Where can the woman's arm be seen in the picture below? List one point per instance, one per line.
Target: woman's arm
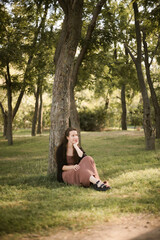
(78, 150)
(70, 167)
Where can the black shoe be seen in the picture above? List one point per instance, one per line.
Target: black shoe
(102, 187)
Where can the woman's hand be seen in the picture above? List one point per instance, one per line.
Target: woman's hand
(78, 150)
(76, 167)
(76, 143)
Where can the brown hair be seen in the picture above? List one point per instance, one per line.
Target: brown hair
(65, 141)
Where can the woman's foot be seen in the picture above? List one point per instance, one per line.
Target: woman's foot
(106, 183)
(100, 186)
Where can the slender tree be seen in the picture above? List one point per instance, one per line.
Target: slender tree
(150, 82)
(149, 133)
(40, 112)
(36, 109)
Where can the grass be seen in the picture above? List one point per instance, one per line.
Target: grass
(30, 202)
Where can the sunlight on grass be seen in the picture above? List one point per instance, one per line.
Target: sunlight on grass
(31, 202)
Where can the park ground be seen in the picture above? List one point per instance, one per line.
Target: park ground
(35, 208)
(132, 227)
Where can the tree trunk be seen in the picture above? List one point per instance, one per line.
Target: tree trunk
(150, 83)
(34, 120)
(5, 117)
(74, 117)
(124, 111)
(5, 124)
(148, 131)
(60, 109)
(9, 96)
(40, 114)
(149, 134)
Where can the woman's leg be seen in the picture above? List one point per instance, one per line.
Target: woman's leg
(88, 174)
(98, 184)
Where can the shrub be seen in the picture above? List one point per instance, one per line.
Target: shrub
(93, 120)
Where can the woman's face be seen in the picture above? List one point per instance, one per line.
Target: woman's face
(73, 137)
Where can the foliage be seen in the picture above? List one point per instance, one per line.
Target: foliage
(32, 203)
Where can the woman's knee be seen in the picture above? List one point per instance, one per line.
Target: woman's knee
(88, 158)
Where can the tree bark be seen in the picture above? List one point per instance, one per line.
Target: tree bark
(35, 115)
(124, 111)
(40, 114)
(150, 83)
(60, 109)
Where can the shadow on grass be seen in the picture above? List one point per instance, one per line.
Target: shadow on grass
(33, 181)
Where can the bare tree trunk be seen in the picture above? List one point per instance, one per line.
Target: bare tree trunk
(40, 114)
(153, 93)
(35, 115)
(64, 58)
(124, 111)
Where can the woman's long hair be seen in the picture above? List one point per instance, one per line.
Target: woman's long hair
(64, 143)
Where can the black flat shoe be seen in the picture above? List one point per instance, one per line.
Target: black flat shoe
(102, 187)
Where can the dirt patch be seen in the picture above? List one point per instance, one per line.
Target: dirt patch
(132, 227)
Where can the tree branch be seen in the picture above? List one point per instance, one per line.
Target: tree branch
(130, 53)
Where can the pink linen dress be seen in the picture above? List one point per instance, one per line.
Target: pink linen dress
(82, 175)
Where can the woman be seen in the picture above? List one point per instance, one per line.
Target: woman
(74, 166)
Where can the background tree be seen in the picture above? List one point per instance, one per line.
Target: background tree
(17, 52)
(149, 134)
(43, 67)
(151, 43)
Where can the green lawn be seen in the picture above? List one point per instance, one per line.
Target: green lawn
(30, 202)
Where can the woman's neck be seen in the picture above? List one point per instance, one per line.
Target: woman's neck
(69, 145)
